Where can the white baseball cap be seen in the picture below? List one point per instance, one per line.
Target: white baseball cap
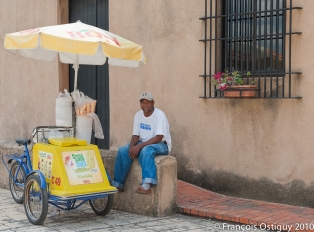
(147, 95)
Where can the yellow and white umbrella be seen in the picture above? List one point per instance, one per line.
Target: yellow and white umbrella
(76, 43)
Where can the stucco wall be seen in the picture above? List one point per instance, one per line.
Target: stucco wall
(28, 87)
(257, 148)
(247, 147)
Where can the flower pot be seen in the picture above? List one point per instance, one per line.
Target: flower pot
(240, 91)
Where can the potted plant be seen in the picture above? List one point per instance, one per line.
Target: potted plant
(232, 84)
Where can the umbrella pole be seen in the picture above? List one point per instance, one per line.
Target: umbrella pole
(76, 67)
(75, 79)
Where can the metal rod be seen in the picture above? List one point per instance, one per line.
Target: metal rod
(271, 47)
(277, 49)
(282, 9)
(265, 46)
(290, 29)
(229, 35)
(259, 42)
(260, 36)
(284, 23)
(210, 46)
(257, 75)
(254, 30)
(205, 49)
(226, 43)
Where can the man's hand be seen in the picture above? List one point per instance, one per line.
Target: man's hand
(134, 151)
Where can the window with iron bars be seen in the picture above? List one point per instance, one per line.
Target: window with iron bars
(250, 35)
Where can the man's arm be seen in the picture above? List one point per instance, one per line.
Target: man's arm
(135, 149)
(134, 140)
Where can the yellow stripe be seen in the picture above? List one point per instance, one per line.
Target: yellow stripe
(21, 42)
(123, 52)
(54, 43)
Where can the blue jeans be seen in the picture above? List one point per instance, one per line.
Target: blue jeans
(146, 160)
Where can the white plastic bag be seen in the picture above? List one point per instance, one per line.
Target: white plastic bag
(85, 106)
(64, 109)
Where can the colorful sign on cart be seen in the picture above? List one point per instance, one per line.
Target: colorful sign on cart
(45, 163)
(81, 167)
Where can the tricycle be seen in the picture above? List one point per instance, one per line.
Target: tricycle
(65, 172)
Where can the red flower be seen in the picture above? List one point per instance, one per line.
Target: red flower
(217, 76)
(223, 86)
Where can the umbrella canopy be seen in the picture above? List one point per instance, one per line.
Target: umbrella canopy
(76, 43)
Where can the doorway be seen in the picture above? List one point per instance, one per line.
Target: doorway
(93, 80)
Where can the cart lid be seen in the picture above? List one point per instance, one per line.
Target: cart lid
(67, 142)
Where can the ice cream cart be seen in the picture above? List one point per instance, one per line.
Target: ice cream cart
(67, 172)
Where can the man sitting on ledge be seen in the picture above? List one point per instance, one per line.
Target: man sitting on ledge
(150, 137)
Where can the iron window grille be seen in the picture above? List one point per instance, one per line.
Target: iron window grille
(250, 35)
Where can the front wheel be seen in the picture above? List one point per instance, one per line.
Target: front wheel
(36, 200)
(17, 178)
(102, 206)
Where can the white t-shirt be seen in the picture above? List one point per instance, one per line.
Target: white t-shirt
(149, 127)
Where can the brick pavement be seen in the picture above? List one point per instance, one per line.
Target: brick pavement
(192, 200)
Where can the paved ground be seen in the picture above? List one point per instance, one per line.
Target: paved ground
(193, 200)
(201, 210)
(13, 218)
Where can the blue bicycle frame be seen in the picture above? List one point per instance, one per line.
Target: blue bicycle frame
(24, 162)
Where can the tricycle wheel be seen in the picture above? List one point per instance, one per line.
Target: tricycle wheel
(36, 200)
(102, 206)
(17, 186)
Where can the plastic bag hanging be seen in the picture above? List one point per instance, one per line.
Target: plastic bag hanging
(85, 109)
(97, 128)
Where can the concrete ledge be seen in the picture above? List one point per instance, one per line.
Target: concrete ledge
(161, 202)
